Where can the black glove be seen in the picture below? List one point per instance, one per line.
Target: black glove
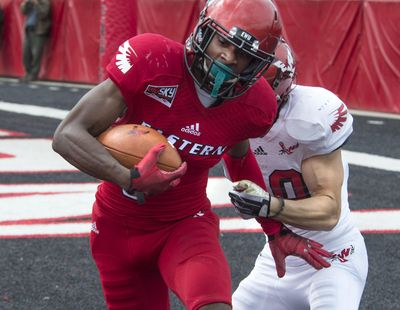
(250, 200)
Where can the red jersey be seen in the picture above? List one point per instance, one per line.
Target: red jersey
(159, 92)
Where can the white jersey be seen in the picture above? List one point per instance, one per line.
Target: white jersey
(312, 122)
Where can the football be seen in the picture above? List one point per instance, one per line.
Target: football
(129, 144)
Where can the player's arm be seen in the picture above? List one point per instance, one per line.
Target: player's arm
(75, 139)
(323, 176)
(240, 149)
(241, 164)
(282, 241)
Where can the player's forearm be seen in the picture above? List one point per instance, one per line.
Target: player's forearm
(85, 153)
(246, 168)
(315, 213)
(243, 166)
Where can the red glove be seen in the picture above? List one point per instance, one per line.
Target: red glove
(148, 179)
(285, 243)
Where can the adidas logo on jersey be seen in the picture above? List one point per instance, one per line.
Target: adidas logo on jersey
(192, 129)
(260, 151)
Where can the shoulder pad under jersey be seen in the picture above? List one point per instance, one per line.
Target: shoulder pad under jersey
(142, 58)
(317, 118)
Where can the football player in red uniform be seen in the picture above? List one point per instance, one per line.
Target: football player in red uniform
(150, 233)
(301, 163)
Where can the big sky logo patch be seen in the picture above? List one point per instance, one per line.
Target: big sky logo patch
(163, 94)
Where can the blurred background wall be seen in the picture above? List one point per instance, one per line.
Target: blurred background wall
(351, 47)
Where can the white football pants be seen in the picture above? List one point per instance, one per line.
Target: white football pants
(303, 287)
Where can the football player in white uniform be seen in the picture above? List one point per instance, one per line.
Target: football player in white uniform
(306, 177)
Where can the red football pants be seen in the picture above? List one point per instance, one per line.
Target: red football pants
(138, 266)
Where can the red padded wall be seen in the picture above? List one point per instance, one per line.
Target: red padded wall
(351, 47)
(118, 23)
(174, 19)
(11, 48)
(379, 60)
(72, 52)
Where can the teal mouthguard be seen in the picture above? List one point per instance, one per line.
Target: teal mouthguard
(221, 73)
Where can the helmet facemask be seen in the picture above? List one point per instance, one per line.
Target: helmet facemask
(213, 76)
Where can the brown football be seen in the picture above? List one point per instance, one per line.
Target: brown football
(129, 144)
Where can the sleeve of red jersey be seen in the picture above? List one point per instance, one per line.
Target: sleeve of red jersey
(261, 108)
(243, 168)
(247, 168)
(127, 67)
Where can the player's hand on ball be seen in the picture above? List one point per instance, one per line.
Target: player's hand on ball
(250, 200)
(285, 243)
(147, 179)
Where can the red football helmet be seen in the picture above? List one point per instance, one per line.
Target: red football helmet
(282, 72)
(252, 26)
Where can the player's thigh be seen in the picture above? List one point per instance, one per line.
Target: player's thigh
(262, 289)
(128, 281)
(141, 289)
(193, 263)
(256, 291)
(341, 286)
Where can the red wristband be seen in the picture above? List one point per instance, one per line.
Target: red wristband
(244, 168)
(269, 226)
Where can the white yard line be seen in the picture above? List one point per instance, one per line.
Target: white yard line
(35, 202)
(24, 203)
(375, 114)
(44, 230)
(33, 110)
(60, 114)
(372, 161)
(41, 158)
(368, 222)
(50, 83)
(31, 156)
